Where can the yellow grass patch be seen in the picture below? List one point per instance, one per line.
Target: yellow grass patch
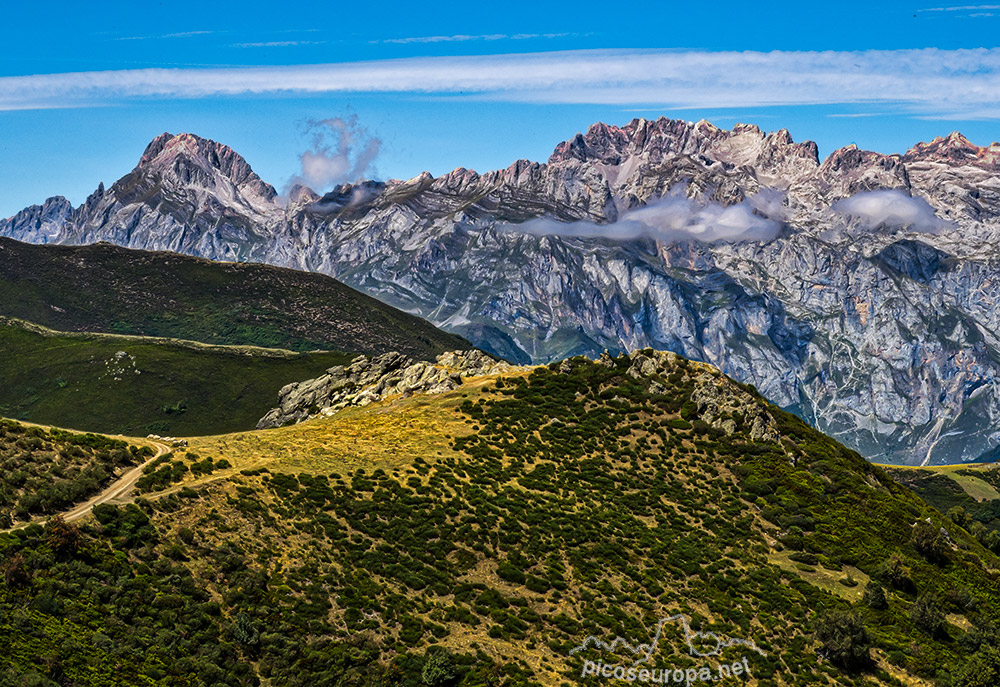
(389, 435)
(818, 576)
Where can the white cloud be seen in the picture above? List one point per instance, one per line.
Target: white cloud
(458, 38)
(277, 44)
(927, 82)
(856, 115)
(181, 34)
(962, 8)
(674, 218)
(891, 208)
(462, 38)
(342, 151)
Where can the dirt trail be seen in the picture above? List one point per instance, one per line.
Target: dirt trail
(118, 489)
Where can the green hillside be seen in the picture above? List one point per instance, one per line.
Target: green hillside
(969, 494)
(103, 288)
(45, 471)
(479, 537)
(137, 385)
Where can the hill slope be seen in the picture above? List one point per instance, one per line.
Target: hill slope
(44, 471)
(478, 537)
(103, 288)
(137, 385)
(970, 495)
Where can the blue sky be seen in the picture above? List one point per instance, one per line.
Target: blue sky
(83, 88)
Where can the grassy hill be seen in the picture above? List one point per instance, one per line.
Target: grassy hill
(103, 288)
(139, 385)
(479, 537)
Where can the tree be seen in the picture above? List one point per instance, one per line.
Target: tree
(63, 537)
(874, 596)
(245, 633)
(15, 571)
(958, 516)
(929, 542)
(927, 615)
(844, 640)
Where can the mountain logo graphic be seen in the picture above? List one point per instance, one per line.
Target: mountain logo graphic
(712, 644)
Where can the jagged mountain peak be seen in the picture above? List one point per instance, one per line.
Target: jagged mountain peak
(954, 149)
(661, 139)
(191, 159)
(155, 147)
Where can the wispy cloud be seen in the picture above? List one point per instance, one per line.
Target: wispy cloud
(277, 44)
(926, 83)
(462, 38)
(181, 34)
(188, 34)
(857, 115)
(962, 8)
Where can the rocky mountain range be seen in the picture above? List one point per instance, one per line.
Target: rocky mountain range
(858, 291)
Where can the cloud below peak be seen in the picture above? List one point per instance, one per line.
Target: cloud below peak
(893, 209)
(676, 218)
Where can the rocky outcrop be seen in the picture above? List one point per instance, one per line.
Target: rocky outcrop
(367, 380)
(720, 402)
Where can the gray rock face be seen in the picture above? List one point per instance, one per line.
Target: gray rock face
(884, 337)
(367, 380)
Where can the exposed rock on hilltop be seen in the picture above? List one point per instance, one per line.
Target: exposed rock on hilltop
(367, 380)
(717, 400)
(879, 327)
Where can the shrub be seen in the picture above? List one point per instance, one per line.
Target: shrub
(982, 670)
(874, 596)
(844, 640)
(511, 573)
(439, 670)
(896, 574)
(927, 615)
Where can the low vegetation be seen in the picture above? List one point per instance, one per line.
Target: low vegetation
(43, 472)
(483, 534)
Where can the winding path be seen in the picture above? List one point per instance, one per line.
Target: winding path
(118, 489)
